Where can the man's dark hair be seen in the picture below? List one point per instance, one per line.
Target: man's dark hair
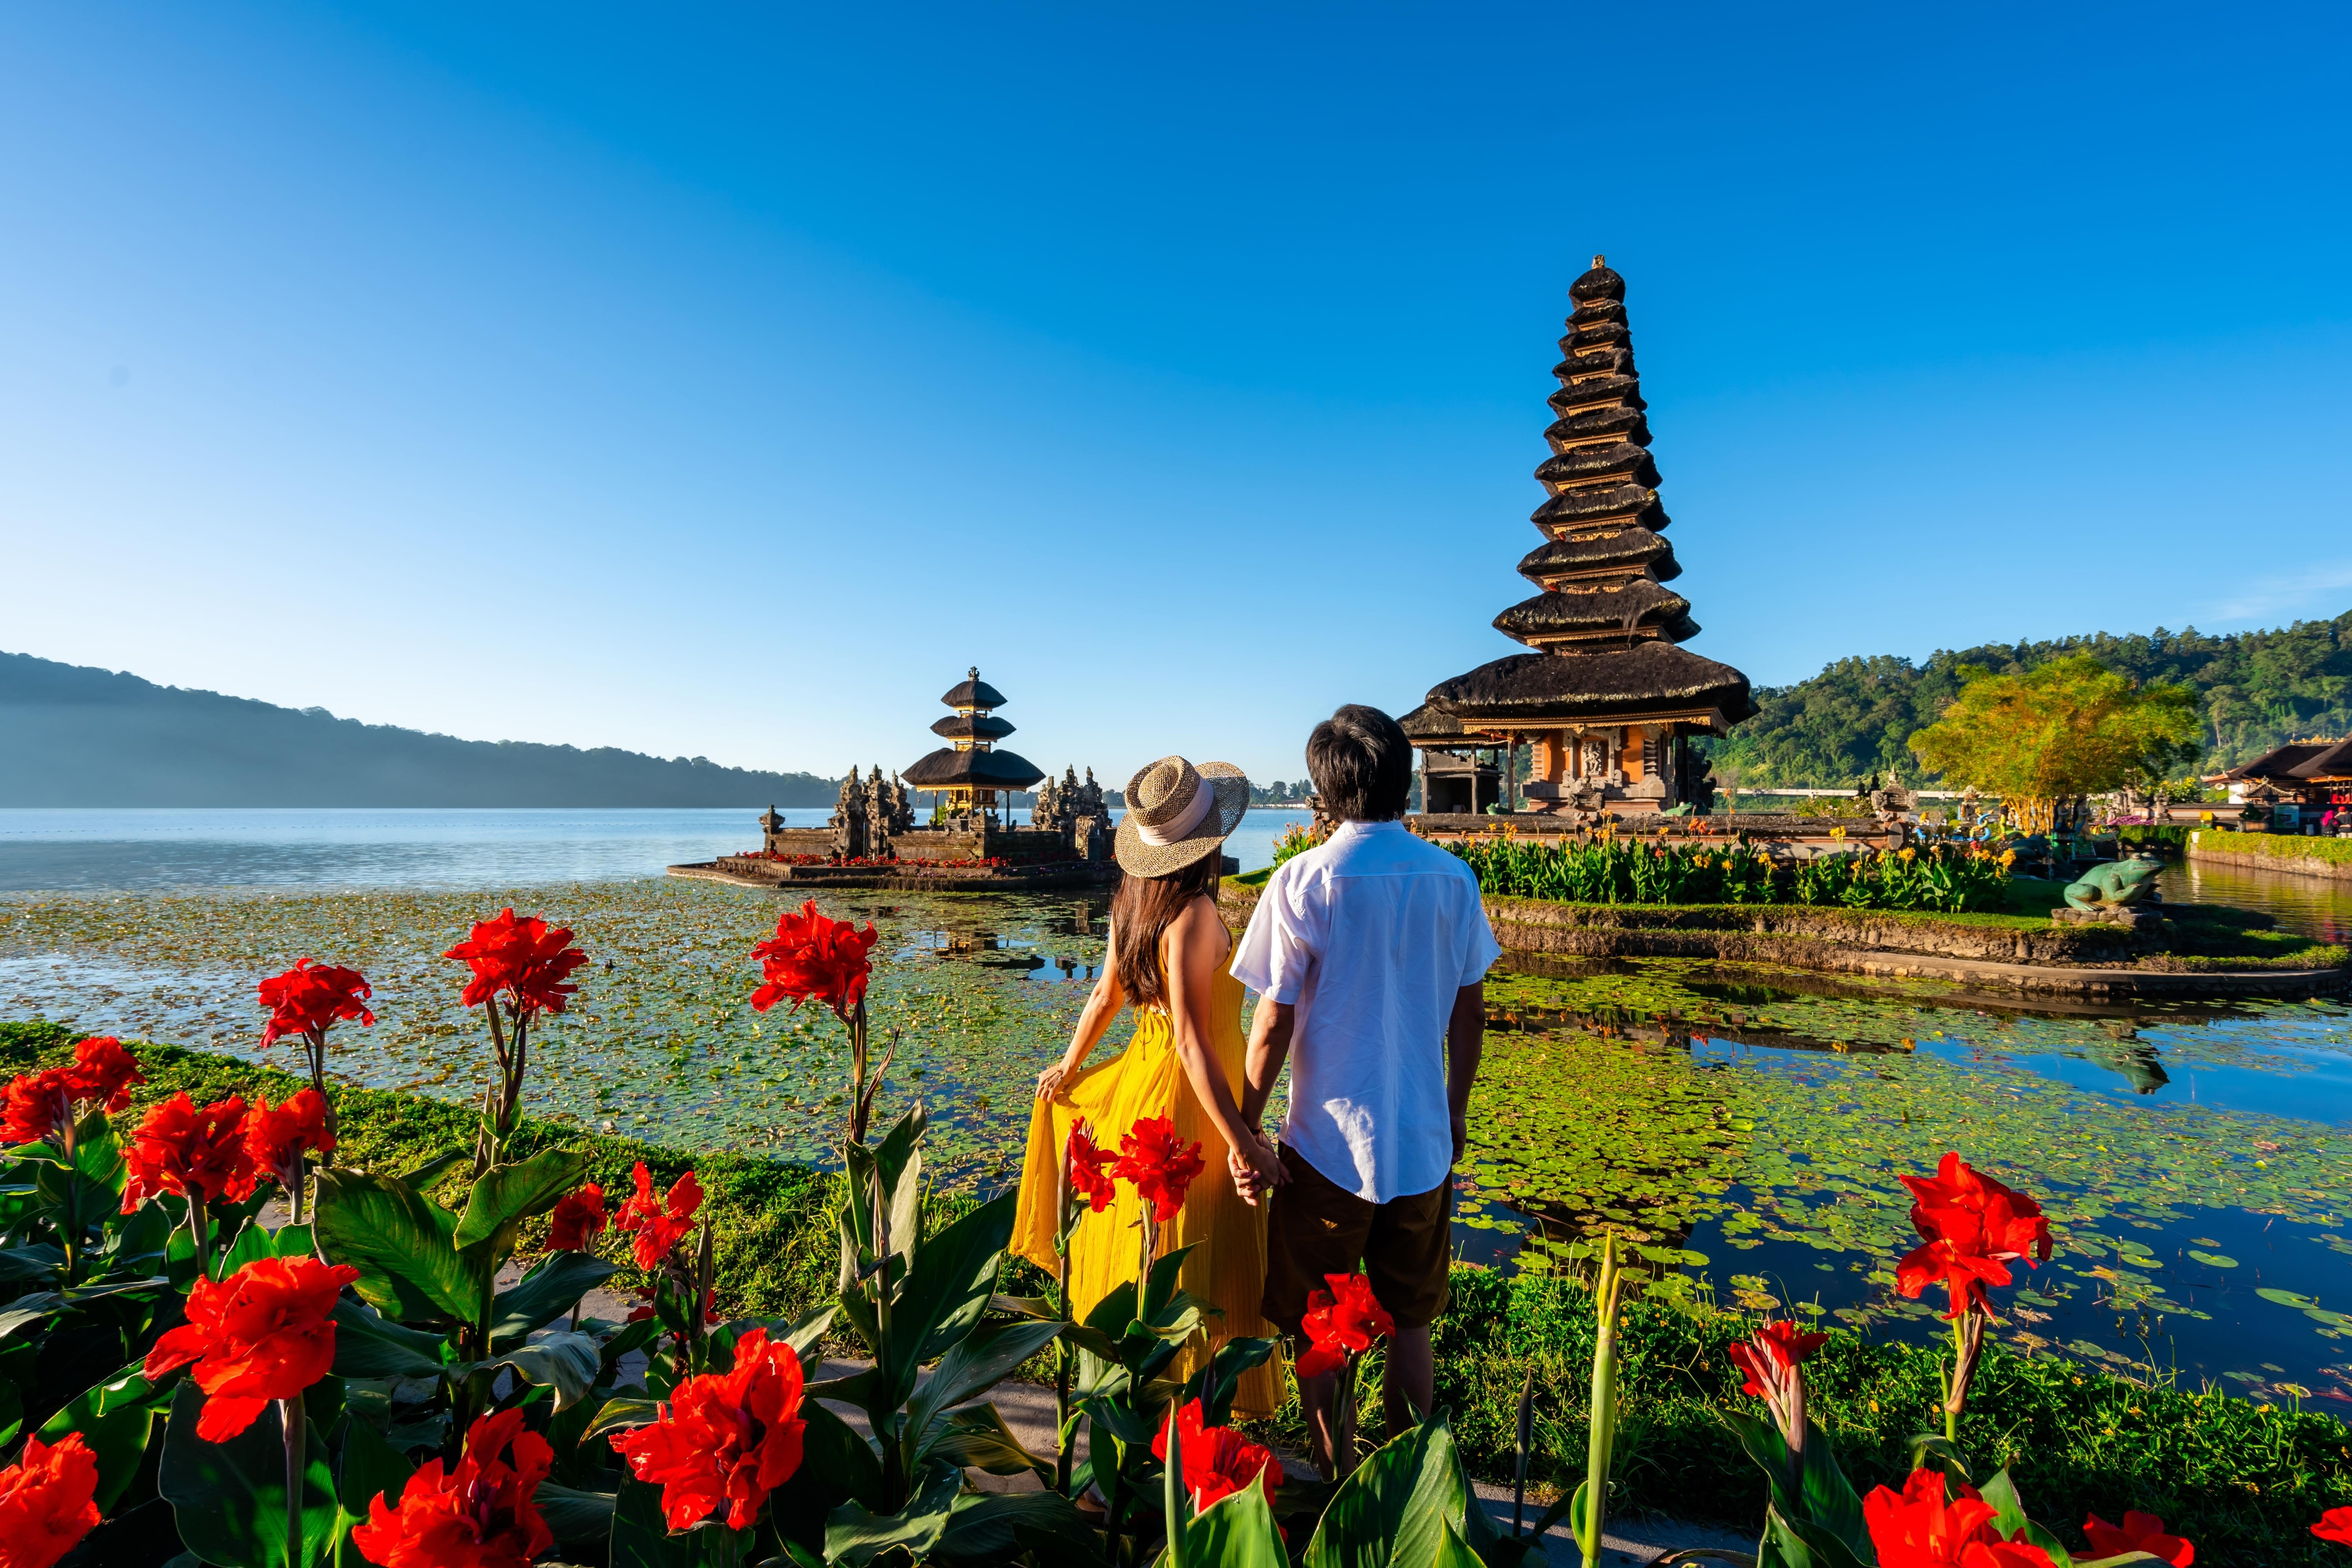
(1362, 764)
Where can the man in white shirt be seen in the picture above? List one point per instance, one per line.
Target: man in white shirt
(1368, 954)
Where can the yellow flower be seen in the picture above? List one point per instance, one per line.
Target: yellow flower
(2008, 859)
(1837, 833)
(1908, 855)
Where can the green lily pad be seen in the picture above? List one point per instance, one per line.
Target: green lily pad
(2213, 1260)
(2287, 1298)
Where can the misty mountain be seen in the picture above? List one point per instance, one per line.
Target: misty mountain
(70, 735)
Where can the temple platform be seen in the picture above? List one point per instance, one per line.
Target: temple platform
(907, 877)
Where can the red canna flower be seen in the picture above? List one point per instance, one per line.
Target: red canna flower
(103, 1071)
(728, 1439)
(37, 1104)
(47, 1501)
(2140, 1532)
(660, 1224)
(1972, 1226)
(1160, 1166)
(479, 1515)
(1218, 1460)
(277, 1136)
(1339, 1322)
(812, 959)
(2335, 1525)
(1767, 1358)
(525, 960)
(179, 1148)
(267, 1332)
(578, 1221)
(1090, 1170)
(1917, 1527)
(311, 995)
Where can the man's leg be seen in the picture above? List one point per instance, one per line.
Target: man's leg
(1318, 1401)
(1314, 1227)
(1410, 1386)
(1408, 1256)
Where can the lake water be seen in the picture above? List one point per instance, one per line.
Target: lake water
(1746, 1125)
(130, 850)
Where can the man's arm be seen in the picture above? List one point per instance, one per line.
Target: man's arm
(1270, 1047)
(1465, 1039)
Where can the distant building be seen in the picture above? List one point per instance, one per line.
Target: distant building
(969, 771)
(1607, 698)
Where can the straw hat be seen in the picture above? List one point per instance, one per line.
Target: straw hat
(1177, 813)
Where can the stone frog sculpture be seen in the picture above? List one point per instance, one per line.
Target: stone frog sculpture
(2114, 882)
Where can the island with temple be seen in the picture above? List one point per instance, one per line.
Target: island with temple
(968, 843)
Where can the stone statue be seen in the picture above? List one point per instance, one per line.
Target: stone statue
(2115, 883)
(1091, 798)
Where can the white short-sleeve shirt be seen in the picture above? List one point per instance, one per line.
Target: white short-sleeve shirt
(1368, 936)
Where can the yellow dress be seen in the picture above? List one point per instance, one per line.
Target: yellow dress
(1226, 1269)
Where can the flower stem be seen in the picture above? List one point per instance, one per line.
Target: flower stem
(297, 1424)
(1604, 1405)
(200, 1231)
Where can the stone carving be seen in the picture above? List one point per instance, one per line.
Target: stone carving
(2115, 884)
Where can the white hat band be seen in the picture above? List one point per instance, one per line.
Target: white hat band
(1177, 827)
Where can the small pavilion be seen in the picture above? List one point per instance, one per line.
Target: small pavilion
(1607, 698)
(969, 771)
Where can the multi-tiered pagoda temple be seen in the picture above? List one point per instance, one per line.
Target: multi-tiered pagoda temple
(1607, 698)
(969, 770)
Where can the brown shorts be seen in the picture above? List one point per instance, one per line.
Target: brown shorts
(1316, 1227)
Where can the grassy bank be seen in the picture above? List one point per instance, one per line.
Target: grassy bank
(2242, 1480)
(2275, 847)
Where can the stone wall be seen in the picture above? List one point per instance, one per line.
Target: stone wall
(938, 843)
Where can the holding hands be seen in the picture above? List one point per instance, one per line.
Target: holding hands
(1255, 1166)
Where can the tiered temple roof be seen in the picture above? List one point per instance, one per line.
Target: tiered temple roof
(1603, 626)
(971, 762)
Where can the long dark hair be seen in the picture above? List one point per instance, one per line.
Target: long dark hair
(1140, 913)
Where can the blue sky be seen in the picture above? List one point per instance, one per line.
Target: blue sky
(724, 380)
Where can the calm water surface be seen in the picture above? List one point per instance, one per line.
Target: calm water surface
(128, 850)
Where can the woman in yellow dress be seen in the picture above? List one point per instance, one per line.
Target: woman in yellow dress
(1168, 956)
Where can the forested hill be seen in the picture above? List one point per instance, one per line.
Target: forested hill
(75, 736)
(2254, 689)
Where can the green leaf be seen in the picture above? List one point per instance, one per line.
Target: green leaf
(978, 1439)
(974, 1367)
(641, 1538)
(622, 1412)
(422, 1177)
(403, 1246)
(1216, 1384)
(368, 1345)
(566, 1362)
(116, 1418)
(98, 1157)
(832, 1449)
(1396, 1508)
(46, 1304)
(505, 1195)
(71, 1201)
(366, 1467)
(1238, 1530)
(995, 1527)
(1829, 1498)
(34, 1262)
(252, 1245)
(946, 1293)
(575, 1515)
(545, 1294)
(853, 1536)
(229, 1499)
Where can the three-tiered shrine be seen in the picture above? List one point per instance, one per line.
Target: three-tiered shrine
(1607, 696)
(969, 771)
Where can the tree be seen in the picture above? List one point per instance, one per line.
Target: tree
(2069, 727)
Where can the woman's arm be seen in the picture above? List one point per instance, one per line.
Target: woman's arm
(1197, 947)
(1102, 1005)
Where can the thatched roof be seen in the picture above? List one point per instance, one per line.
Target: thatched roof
(948, 768)
(974, 693)
(1637, 504)
(1634, 548)
(1538, 688)
(2299, 763)
(1579, 608)
(971, 727)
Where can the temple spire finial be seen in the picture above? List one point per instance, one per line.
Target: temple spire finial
(1598, 262)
